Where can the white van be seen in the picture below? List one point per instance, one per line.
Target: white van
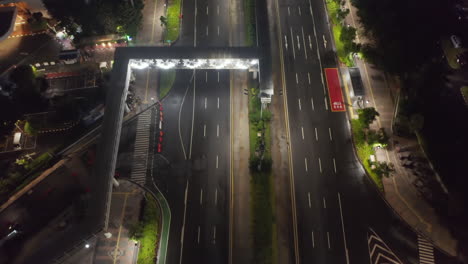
(17, 140)
(456, 42)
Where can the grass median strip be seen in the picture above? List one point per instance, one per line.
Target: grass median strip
(173, 21)
(249, 16)
(166, 80)
(261, 182)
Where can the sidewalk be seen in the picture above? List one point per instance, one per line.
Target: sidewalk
(119, 248)
(400, 188)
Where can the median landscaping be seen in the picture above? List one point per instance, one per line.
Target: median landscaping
(172, 21)
(263, 224)
(166, 80)
(250, 22)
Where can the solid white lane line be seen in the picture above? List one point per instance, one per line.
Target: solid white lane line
(330, 133)
(310, 203)
(303, 40)
(206, 99)
(214, 234)
(299, 10)
(313, 240)
(334, 164)
(204, 130)
(308, 77)
(310, 43)
(299, 102)
(302, 130)
(316, 135)
(218, 102)
(328, 239)
(194, 42)
(207, 30)
(217, 161)
(324, 203)
(183, 223)
(326, 104)
(198, 235)
(312, 101)
(297, 78)
(201, 196)
(206, 73)
(217, 130)
(216, 196)
(342, 228)
(320, 164)
(324, 41)
(289, 11)
(323, 84)
(218, 72)
(207, 10)
(305, 162)
(218, 30)
(292, 43)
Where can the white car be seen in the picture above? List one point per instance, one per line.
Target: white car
(456, 42)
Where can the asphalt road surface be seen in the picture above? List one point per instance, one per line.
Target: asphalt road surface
(194, 174)
(336, 204)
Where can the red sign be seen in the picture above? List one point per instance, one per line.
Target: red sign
(334, 90)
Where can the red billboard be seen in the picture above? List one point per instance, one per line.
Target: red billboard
(334, 90)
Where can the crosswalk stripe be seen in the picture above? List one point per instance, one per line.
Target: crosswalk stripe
(426, 251)
(140, 148)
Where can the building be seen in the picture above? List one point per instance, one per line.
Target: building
(14, 13)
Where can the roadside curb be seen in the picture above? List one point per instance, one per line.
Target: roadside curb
(164, 234)
(381, 194)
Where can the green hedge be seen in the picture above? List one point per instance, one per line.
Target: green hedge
(364, 151)
(173, 21)
(149, 231)
(250, 22)
(262, 191)
(166, 80)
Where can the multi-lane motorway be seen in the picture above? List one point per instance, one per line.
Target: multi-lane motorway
(197, 145)
(334, 205)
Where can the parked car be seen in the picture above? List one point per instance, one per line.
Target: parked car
(456, 41)
(462, 59)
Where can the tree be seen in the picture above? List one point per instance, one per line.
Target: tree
(347, 36)
(416, 122)
(24, 78)
(37, 16)
(163, 20)
(397, 31)
(29, 128)
(98, 17)
(383, 168)
(367, 115)
(26, 97)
